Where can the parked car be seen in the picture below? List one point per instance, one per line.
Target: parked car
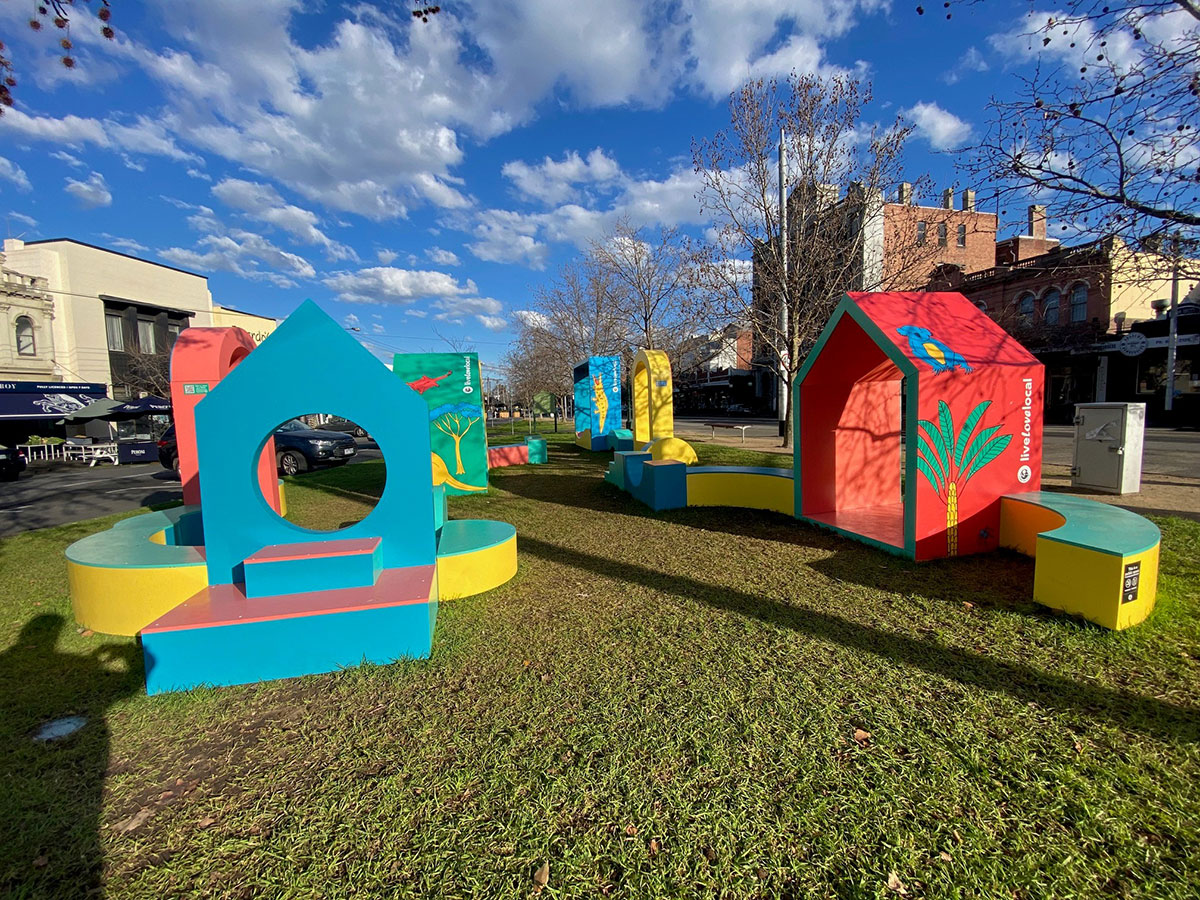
(337, 423)
(168, 452)
(299, 448)
(12, 463)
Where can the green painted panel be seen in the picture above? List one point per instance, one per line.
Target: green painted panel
(451, 387)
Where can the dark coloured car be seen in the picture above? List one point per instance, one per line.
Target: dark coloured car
(12, 463)
(299, 448)
(337, 423)
(168, 453)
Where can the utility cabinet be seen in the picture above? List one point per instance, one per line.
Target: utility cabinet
(1108, 447)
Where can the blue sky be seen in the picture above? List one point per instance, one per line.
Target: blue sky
(422, 179)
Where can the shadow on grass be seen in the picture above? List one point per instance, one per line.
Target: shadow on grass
(1124, 709)
(50, 793)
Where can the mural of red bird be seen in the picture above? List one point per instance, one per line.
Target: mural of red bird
(424, 383)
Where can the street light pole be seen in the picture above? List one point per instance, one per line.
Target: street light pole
(1172, 328)
(785, 349)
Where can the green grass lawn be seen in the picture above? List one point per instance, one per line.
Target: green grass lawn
(658, 705)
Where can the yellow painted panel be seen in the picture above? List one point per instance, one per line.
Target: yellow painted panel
(742, 489)
(124, 601)
(467, 574)
(1021, 522)
(673, 448)
(652, 396)
(1090, 584)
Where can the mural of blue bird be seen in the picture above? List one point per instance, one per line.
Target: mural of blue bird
(926, 347)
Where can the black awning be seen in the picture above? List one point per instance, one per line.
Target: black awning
(45, 400)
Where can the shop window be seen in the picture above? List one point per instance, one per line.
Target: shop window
(115, 328)
(26, 344)
(962, 235)
(1079, 303)
(145, 330)
(1050, 304)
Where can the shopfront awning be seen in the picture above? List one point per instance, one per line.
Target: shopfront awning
(46, 400)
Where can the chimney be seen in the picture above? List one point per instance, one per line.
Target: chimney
(948, 198)
(968, 200)
(1037, 222)
(905, 196)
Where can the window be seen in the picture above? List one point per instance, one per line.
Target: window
(920, 234)
(962, 235)
(173, 329)
(146, 335)
(1079, 303)
(1025, 307)
(942, 234)
(116, 331)
(26, 345)
(1050, 304)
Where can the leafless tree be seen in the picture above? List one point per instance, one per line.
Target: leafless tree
(834, 244)
(57, 13)
(148, 373)
(1104, 129)
(656, 285)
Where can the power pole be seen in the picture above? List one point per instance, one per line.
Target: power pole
(1172, 327)
(785, 349)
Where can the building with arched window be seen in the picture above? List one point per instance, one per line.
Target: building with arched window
(27, 318)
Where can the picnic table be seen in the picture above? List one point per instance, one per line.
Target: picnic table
(715, 425)
(90, 453)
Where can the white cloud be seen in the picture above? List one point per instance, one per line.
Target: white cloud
(387, 257)
(441, 257)
(144, 136)
(10, 171)
(971, 61)
(351, 321)
(376, 328)
(492, 323)
(454, 309)
(91, 193)
(241, 253)
(22, 218)
(416, 313)
(263, 203)
(554, 181)
(197, 174)
(384, 284)
(942, 129)
(64, 157)
(531, 318)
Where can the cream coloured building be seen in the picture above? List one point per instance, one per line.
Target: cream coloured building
(110, 311)
(258, 326)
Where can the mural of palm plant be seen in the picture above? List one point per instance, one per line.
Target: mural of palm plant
(948, 458)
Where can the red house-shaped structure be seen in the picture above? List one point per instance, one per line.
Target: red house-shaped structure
(913, 414)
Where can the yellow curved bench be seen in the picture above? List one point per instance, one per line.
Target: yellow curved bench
(1092, 559)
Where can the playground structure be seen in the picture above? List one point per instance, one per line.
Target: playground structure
(597, 402)
(531, 452)
(917, 425)
(262, 598)
(450, 385)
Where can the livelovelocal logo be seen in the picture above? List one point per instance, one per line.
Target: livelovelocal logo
(467, 373)
(1024, 474)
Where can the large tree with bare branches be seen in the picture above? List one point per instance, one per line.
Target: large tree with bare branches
(1104, 129)
(786, 291)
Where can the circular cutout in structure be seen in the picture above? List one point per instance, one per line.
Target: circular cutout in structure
(331, 495)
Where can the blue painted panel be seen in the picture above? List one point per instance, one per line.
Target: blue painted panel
(310, 364)
(608, 370)
(322, 573)
(286, 648)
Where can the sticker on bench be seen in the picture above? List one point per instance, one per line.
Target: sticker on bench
(1133, 575)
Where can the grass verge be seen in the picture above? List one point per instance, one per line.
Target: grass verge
(702, 702)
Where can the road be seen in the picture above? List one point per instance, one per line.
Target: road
(42, 497)
(1165, 451)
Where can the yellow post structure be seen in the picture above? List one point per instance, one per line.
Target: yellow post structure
(650, 390)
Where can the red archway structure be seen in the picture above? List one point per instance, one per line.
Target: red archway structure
(914, 413)
(200, 358)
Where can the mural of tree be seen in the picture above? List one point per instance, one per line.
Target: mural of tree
(456, 420)
(948, 459)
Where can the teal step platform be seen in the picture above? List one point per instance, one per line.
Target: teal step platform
(319, 566)
(221, 637)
